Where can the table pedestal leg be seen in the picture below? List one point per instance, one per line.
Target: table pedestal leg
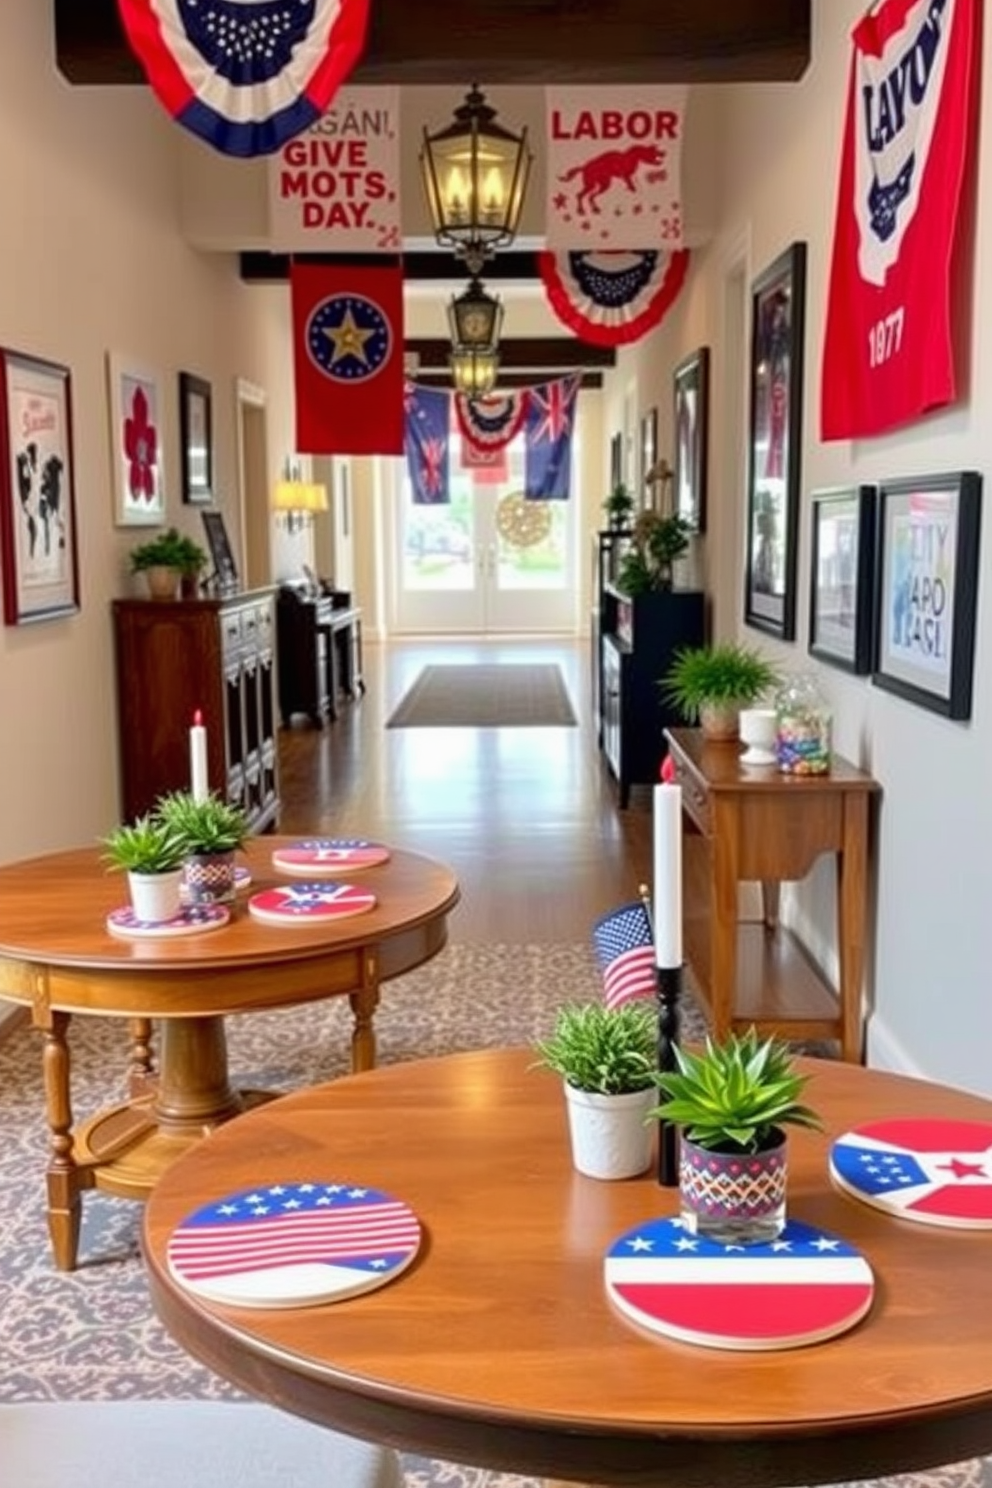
(63, 1177)
(194, 1092)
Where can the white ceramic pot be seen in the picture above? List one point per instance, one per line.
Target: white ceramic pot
(155, 897)
(759, 730)
(610, 1136)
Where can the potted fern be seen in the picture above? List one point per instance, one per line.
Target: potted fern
(619, 506)
(607, 1058)
(211, 831)
(732, 1102)
(152, 854)
(713, 683)
(168, 560)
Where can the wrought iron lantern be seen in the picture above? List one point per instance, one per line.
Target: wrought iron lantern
(474, 370)
(475, 174)
(475, 318)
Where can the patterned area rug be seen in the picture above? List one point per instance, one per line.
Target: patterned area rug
(505, 696)
(91, 1334)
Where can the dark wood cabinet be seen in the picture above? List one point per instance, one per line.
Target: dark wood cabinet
(213, 655)
(638, 638)
(320, 656)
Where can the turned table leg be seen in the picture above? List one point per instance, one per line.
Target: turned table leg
(141, 1069)
(63, 1176)
(363, 1005)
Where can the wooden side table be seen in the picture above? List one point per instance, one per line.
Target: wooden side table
(760, 825)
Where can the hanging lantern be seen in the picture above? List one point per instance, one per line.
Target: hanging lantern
(474, 370)
(475, 174)
(475, 318)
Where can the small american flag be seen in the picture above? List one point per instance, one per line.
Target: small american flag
(624, 947)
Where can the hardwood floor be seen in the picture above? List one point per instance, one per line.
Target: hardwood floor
(527, 817)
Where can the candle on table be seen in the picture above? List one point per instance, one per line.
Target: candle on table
(198, 780)
(668, 876)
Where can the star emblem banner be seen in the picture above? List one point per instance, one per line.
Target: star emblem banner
(245, 75)
(348, 359)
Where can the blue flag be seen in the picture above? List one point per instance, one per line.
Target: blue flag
(548, 426)
(428, 416)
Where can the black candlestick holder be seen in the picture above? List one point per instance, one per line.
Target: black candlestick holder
(669, 983)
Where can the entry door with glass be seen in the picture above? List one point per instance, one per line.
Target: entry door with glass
(488, 560)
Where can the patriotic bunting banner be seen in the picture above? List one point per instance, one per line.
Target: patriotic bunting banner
(335, 188)
(489, 467)
(245, 75)
(613, 298)
(490, 423)
(548, 424)
(428, 420)
(613, 167)
(888, 351)
(348, 359)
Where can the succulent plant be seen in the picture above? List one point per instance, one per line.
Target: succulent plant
(144, 846)
(609, 1051)
(208, 826)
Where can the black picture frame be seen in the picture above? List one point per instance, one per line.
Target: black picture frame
(926, 589)
(196, 439)
(616, 461)
(691, 414)
(38, 539)
(778, 298)
(649, 455)
(842, 575)
(225, 574)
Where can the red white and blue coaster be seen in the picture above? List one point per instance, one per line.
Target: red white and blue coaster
(315, 856)
(193, 920)
(931, 1171)
(310, 903)
(242, 881)
(804, 1287)
(293, 1245)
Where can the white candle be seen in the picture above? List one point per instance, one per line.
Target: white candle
(668, 876)
(198, 780)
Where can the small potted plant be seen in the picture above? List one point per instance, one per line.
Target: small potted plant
(732, 1102)
(166, 560)
(607, 1058)
(657, 542)
(152, 854)
(618, 507)
(713, 683)
(211, 831)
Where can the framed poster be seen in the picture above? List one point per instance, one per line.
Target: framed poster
(841, 578)
(225, 569)
(926, 590)
(196, 439)
(776, 421)
(691, 412)
(136, 407)
(37, 491)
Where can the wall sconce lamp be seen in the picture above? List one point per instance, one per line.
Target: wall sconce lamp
(295, 502)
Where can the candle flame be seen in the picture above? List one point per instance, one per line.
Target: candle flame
(198, 719)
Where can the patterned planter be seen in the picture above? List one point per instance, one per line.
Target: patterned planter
(734, 1197)
(209, 878)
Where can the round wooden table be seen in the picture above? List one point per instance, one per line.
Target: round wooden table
(57, 956)
(499, 1346)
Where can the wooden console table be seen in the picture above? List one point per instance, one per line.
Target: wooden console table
(760, 825)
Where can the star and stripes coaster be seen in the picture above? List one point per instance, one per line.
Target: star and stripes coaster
(293, 1245)
(193, 920)
(804, 1287)
(310, 903)
(316, 855)
(931, 1171)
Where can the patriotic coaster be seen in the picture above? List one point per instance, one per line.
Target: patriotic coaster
(293, 1245)
(193, 920)
(317, 855)
(931, 1171)
(804, 1287)
(242, 881)
(310, 903)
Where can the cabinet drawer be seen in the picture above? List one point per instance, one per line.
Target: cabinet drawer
(230, 631)
(695, 797)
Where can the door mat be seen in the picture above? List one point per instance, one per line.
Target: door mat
(504, 696)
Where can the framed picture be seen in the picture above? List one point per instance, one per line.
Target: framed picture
(196, 439)
(776, 421)
(225, 569)
(841, 578)
(691, 410)
(616, 461)
(37, 491)
(136, 409)
(649, 454)
(926, 590)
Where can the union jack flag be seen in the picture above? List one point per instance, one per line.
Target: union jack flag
(548, 426)
(624, 947)
(428, 416)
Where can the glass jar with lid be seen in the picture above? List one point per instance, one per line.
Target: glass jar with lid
(802, 735)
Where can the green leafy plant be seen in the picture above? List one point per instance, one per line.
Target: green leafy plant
(208, 826)
(618, 505)
(730, 673)
(609, 1051)
(735, 1096)
(144, 846)
(657, 542)
(170, 549)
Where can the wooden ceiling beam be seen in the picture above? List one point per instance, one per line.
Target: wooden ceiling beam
(515, 265)
(591, 381)
(516, 41)
(520, 353)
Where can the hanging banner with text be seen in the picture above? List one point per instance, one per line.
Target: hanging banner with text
(909, 142)
(335, 188)
(614, 167)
